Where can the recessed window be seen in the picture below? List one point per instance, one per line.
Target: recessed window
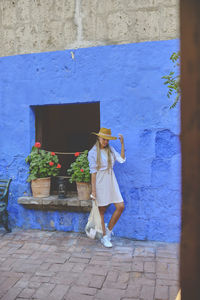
(66, 128)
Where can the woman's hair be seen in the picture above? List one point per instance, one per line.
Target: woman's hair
(108, 151)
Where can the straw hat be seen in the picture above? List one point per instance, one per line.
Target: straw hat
(105, 134)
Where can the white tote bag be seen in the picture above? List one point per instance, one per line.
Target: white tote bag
(93, 228)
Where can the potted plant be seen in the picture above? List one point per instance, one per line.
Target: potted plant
(80, 173)
(42, 166)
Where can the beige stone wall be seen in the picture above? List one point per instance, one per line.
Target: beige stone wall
(28, 26)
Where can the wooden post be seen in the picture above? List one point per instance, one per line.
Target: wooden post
(190, 139)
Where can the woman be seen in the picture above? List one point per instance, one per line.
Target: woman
(105, 188)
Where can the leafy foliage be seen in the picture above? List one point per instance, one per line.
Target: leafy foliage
(79, 170)
(173, 80)
(42, 163)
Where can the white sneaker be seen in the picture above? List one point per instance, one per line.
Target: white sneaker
(109, 233)
(106, 242)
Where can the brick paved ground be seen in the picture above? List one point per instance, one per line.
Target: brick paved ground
(59, 265)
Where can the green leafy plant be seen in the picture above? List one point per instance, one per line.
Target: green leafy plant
(173, 80)
(79, 170)
(42, 163)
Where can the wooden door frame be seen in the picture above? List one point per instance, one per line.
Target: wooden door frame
(190, 144)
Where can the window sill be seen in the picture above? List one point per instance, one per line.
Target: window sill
(70, 203)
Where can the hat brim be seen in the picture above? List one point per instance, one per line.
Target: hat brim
(105, 136)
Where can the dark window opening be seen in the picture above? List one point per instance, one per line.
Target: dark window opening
(66, 128)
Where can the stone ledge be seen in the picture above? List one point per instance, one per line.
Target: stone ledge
(70, 203)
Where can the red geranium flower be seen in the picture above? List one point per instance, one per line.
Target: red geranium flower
(82, 170)
(53, 153)
(58, 166)
(51, 163)
(77, 154)
(37, 145)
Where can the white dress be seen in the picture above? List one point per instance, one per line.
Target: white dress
(107, 189)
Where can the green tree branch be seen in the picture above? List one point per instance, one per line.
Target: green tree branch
(172, 80)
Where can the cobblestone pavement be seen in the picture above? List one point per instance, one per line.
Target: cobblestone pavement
(61, 265)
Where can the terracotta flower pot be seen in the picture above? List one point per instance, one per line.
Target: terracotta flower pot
(84, 190)
(41, 187)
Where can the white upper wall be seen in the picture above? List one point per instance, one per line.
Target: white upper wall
(28, 26)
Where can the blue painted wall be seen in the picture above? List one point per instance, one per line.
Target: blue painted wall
(126, 79)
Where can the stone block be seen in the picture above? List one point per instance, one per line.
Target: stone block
(8, 45)
(144, 252)
(85, 279)
(142, 280)
(83, 290)
(162, 253)
(56, 34)
(23, 11)
(173, 291)
(82, 260)
(110, 25)
(170, 22)
(33, 285)
(94, 28)
(9, 13)
(68, 34)
(111, 294)
(97, 281)
(147, 25)
(58, 292)
(115, 5)
(161, 292)
(11, 294)
(27, 36)
(73, 202)
(63, 9)
(112, 276)
(150, 275)
(30, 200)
(86, 203)
(53, 203)
(27, 293)
(149, 267)
(168, 2)
(115, 285)
(43, 290)
(118, 26)
(142, 4)
(137, 266)
(93, 7)
(41, 37)
(8, 283)
(73, 295)
(47, 201)
(123, 277)
(41, 10)
(133, 291)
(96, 270)
(147, 292)
(79, 268)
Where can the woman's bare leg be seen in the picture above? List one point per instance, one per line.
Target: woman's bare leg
(117, 213)
(102, 210)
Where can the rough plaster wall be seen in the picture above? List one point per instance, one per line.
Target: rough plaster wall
(126, 79)
(29, 26)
